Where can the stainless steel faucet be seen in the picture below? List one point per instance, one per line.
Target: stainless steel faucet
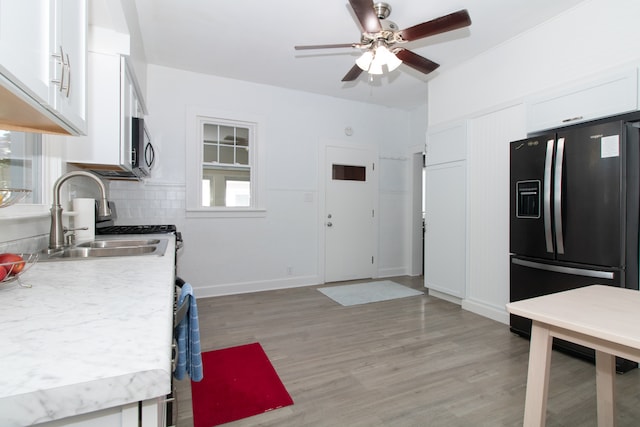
(56, 236)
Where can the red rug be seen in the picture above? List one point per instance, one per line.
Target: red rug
(238, 382)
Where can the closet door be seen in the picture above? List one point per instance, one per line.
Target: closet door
(445, 228)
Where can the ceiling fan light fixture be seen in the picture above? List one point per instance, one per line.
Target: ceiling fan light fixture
(373, 60)
(375, 68)
(380, 35)
(364, 62)
(386, 57)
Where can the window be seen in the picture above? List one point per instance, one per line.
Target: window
(223, 157)
(21, 163)
(226, 170)
(349, 173)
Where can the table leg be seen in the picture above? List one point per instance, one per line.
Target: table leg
(605, 386)
(535, 406)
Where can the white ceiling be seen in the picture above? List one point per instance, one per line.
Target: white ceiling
(253, 40)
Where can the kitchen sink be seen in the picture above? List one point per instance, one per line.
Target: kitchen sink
(117, 243)
(107, 248)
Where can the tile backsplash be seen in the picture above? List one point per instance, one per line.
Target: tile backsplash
(136, 203)
(148, 203)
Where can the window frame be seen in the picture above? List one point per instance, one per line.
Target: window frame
(195, 120)
(51, 169)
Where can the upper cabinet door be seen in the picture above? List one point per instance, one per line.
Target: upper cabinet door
(607, 95)
(25, 27)
(43, 65)
(68, 94)
(446, 144)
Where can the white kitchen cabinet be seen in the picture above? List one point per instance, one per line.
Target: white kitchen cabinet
(148, 413)
(607, 95)
(113, 99)
(445, 228)
(446, 144)
(24, 45)
(69, 97)
(43, 65)
(445, 209)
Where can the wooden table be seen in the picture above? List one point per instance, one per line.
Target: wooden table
(604, 318)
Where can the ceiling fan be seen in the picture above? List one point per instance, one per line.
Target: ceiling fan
(380, 37)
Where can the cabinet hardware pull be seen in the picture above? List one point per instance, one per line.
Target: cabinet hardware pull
(572, 119)
(64, 82)
(67, 66)
(60, 59)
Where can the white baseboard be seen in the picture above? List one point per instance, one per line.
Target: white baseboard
(392, 272)
(486, 310)
(248, 287)
(296, 282)
(446, 297)
(476, 307)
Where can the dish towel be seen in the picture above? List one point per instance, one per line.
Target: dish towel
(189, 357)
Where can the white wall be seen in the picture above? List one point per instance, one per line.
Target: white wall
(489, 91)
(231, 255)
(594, 36)
(488, 210)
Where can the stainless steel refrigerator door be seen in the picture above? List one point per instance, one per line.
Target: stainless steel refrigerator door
(531, 223)
(531, 278)
(589, 195)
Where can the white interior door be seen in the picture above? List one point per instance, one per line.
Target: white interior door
(351, 182)
(445, 220)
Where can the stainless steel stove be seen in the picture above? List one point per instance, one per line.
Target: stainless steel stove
(141, 229)
(136, 229)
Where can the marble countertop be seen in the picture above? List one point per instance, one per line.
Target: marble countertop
(88, 335)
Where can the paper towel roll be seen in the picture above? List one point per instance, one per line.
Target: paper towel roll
(85, 217)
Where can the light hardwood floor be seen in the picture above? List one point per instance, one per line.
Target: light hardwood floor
(417, 361)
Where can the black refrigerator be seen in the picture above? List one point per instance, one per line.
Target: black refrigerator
(574, 206)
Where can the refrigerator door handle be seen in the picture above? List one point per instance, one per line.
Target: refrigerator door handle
(598, 274)
(557, 196)
(547, 195)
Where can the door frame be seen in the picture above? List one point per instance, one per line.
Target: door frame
(322, 177)
(416, 225)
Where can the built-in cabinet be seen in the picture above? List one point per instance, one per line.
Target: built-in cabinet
(114, 99)
(68, 93)
(606, 95)
(445, 210)
(148, 413)
(43, 47)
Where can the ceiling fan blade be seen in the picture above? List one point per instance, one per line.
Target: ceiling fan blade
(353, 74)
(366, 15)
(416, 61)
(324, 46)
(453, 21)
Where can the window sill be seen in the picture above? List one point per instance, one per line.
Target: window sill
(24, 212)
(226, 213)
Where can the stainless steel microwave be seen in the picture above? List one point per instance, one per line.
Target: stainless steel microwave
(142, 153)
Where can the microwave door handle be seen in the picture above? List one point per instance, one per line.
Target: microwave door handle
(150, 155)
(547, 196)
(557, 196)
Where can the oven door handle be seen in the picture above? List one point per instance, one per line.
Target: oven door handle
(179, 241)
